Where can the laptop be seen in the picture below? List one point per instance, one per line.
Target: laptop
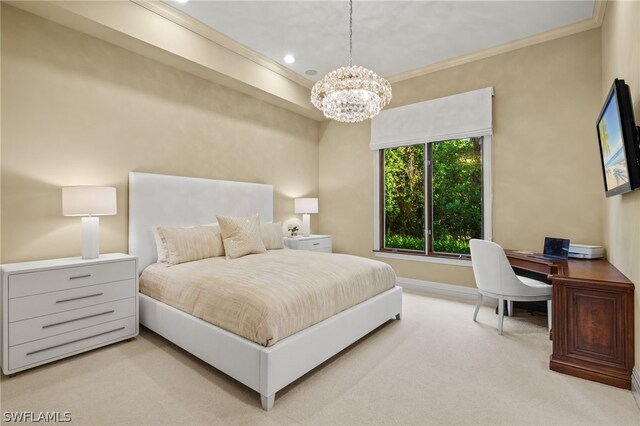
(554, 248)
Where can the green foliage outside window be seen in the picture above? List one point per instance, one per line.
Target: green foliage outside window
(456, 192)
(404, 197)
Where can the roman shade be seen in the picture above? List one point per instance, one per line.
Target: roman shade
(453, 117)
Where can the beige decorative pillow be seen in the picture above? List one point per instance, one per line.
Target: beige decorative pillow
(241, 235)
(272, 235)
(179, 245)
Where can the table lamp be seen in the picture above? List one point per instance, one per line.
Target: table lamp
(306, 206)
(89, 202)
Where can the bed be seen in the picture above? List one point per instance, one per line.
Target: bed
(266, 363)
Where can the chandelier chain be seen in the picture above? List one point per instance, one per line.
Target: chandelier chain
(350, 33)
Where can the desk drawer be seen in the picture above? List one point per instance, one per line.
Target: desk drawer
(50, 325)
(23, 308)
(320, 244)
(29, 283)
(67, 343)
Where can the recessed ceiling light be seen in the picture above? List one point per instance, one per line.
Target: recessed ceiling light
(289, 59)
(181, 1)
(311, 72)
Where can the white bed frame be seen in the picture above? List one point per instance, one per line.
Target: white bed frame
(184, 201)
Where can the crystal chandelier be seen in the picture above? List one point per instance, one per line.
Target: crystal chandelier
(351, 94)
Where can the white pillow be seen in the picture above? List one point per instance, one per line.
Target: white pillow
(161, 247)
(179, 245)
(272, 235)
(241, 235)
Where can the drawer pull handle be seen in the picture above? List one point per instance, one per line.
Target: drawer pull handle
(79, 276)
(316, 244)
(78, 319)
(75, 341)
(78, 298)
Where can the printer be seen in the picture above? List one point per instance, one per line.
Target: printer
(581, 251)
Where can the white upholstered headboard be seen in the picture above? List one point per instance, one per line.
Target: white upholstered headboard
(162, 200)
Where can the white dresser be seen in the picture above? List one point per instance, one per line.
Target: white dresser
(55, 308)
(312, 242)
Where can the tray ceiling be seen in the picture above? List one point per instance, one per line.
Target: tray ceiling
(390, 37)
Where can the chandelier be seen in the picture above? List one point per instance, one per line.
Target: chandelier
(351, 94)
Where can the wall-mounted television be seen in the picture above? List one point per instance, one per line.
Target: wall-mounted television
(619, 141)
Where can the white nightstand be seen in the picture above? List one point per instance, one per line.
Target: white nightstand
(52, 309)
(312, 242)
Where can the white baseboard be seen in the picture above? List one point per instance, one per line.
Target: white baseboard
(441, 289)
(635, 385)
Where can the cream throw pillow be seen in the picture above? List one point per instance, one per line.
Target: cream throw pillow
(272, 235)
(241, 235)
(179, 245)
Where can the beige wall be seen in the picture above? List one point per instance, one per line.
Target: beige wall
(621, 59)
(546, 173)
(77, 110)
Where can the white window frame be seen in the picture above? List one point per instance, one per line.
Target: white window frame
(487, 219)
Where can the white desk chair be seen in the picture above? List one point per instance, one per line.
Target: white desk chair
(495, 278)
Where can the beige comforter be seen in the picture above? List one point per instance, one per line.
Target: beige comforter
(267, 297)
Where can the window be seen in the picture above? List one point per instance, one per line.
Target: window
(431, 197)
(432, 177)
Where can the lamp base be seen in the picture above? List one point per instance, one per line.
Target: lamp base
(90, 237)
(306, 224)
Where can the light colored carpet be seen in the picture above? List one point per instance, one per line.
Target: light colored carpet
(435, 366)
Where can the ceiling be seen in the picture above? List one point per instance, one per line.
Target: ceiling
(390, 37)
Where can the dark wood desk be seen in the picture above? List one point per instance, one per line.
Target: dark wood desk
(592, 317)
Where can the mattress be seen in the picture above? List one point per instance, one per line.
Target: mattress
(267, 297)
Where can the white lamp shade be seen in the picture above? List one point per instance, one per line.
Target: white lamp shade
(88, 201)
(306, 205)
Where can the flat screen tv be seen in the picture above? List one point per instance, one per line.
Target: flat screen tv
(619, 142)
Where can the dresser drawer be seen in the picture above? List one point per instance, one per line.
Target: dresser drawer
(23, 308)
(28, 283)
(64, 344)
(50, 325)
(319, 244)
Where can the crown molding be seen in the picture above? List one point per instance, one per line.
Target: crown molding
(598, 11)
(180, 18)
(588, 24)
